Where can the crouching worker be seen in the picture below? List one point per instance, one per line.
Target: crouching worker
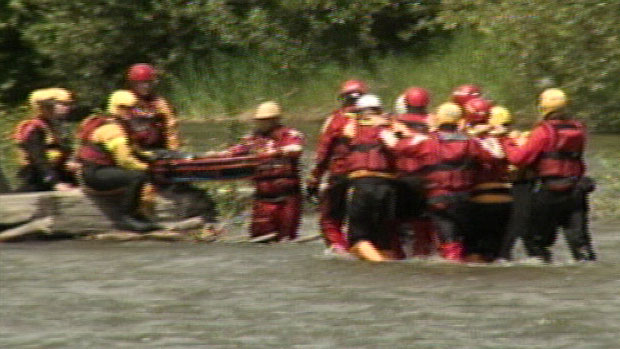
(371, 210)
(109, 162)
(276, 213)
(44, 145)
(451, 160)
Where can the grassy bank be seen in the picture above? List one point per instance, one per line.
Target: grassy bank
(235, 85)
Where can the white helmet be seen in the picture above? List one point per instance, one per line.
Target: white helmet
(368, 101)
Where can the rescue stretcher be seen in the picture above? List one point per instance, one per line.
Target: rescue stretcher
(194, 169)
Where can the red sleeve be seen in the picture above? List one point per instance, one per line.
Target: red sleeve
(411, 146)
(331, 130)
(527, 154)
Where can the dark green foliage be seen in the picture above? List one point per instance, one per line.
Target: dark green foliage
(573, 44)
(87, 44)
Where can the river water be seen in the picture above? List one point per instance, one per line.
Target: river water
(93, 294)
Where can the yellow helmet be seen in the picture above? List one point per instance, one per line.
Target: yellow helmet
(552, 99)
(121, 98)
(268, 110)
(500, 116)
(448, 113)
(38, 96)
(61, 94)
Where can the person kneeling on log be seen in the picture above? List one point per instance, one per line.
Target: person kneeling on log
(276, 213)
(109, 161)
(44, 148)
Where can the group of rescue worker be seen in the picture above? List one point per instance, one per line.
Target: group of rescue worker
(113, 151)
(460, 182)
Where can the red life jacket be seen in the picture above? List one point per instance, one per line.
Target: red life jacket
(148, 129)
(367, 152)
(340, 145)
(407, 165)
(55, 152)
(278, 176)
(564, 155)
(416, 122)
(88, 151)
(452, 167)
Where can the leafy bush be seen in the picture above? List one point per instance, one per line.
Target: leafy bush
(571, 44)
(87, 44)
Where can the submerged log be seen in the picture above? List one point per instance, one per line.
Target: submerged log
(75, 213)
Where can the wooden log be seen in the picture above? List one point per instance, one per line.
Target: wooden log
(22, 207)
(35, 227)
(77, 213)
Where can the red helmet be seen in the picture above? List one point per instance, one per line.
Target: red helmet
(464, 93)
(477, 110)
(416, 97)
(353, 86)
(141, 72)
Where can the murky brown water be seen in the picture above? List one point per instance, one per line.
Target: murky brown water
(75, 294)
(92, 294)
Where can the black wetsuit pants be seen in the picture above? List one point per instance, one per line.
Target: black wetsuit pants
(104, 178)
(552, 210)
(519, 221)
(489, 226)
(371, 211)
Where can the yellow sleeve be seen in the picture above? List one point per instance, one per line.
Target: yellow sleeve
(172, 132)
(114, 139)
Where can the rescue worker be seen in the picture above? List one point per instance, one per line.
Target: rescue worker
(44, 144)
(154, 128)
(521, 181)
(554, 151)
(490, 198)
(412, 206)
(450, 159)
(276, 212)
(331, 157)
(110, 162)
(155, 120)
(372, 192)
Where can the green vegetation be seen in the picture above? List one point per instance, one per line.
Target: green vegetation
(236, 85)
(571, 44)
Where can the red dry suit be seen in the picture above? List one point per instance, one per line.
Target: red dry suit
(451, 161)
(554, 149)
(331, 156)
(411, 194)
(277, 204)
